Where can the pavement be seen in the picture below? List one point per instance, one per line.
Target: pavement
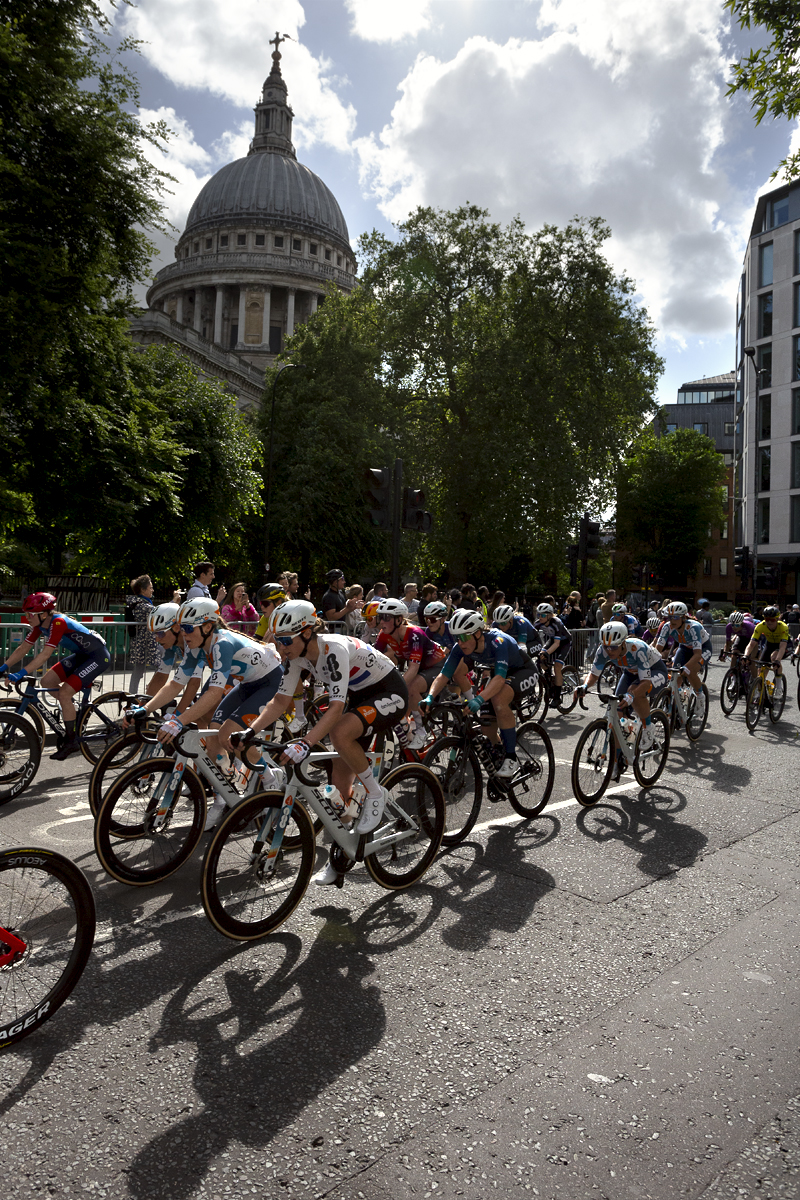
(595, 1003)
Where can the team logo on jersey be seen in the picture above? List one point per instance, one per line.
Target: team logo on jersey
(367, 712)
(389, 704)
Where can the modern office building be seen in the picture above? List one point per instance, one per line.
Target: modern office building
(767, 453)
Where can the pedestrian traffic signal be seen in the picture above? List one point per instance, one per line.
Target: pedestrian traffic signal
(636, 576)
(589, 546)
(414, 513)
(571, 559)
(741, 563)
(379, 496)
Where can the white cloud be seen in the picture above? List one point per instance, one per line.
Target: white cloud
(223, 46)
(616, 112)
(188, 162)
(389, 20)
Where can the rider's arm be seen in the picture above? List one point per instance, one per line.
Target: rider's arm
(157, 682)
(325, 724)
(277, 706)
(187, 699)
(31, 667)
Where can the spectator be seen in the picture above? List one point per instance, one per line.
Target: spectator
(239, 612)
(497, 599)
(704, 614)
(144, 647)
(410, 599)
(354, 619)
(572, 616)
(430, 592)
(591, 615)
(607, 605)
(453, 599)
(203, 575)
(335, 607)
(485, 599)
(792, 614)
(177, 596)
(469, 598)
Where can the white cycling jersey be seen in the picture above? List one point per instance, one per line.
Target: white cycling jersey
(345, 664)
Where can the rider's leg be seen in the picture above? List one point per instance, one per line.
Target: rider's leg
(501, 703)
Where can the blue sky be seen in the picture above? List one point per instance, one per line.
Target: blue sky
(542, 108)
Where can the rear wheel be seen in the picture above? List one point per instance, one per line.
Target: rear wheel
(415, 814)
(101, 724)
(778, 699)
(31, 714)
(458, 769)
(593, 762)
(20, 752)
(729, 691)
(755, 703)
(648, 764)
(663, 701)
(531, 787)
(568, 698)
(697, 714)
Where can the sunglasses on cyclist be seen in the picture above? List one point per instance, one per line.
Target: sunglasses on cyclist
(188, 628)
(284, 641)
(464, 637)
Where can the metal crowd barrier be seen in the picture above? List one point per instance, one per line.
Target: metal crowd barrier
(117, 636)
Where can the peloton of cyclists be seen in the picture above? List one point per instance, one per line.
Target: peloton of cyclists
(518, 626)
(407, 644)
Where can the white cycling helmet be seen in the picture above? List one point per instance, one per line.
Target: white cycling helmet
(163, 617)
(676, 608)
(293, 617)
(434, 609)
(465, 621)
(618, 608)
(613, 633)
(389, 607)
(503, 614)
(737, 618)
(543, 609)
(653, 622)
(197, 612)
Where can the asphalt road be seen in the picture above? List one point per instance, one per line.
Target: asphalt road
(596, 1003)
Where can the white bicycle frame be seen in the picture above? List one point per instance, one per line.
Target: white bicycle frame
(192, 750)
(621, 738)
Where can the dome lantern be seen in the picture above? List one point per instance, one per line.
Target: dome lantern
(273, 133)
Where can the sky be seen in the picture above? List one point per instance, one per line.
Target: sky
(542, 109)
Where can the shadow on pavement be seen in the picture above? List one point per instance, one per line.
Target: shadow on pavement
(647, 825)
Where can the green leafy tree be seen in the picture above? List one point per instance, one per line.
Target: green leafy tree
(670, 492)
(770, 74)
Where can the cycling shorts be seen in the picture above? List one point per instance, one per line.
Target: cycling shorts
(629, 679)
(79, 671)
(380, 706)
(244, 702)
(430, 673)
(522, 681)
(741, 643)
(562, 653)
(684, 653)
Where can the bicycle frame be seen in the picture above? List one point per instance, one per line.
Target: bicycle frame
(675, 682)
(29, 698)
(614, 725)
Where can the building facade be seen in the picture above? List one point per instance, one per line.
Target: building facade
(263, 241)
(768, 442)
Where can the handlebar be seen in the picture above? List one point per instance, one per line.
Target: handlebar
(176, 739)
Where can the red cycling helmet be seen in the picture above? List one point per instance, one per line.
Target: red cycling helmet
(39, 602)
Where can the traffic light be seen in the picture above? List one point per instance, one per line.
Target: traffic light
(741, 563)
(379, 496)
(571, 559)
(589, 546)
(636, 576)
(414, 514)
(770, 576)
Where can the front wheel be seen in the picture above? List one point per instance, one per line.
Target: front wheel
(20, 752)
(408, 839)
(755, 703)
(697, 714)
(246, 893)
(592, 762)
(100, 724)
(648, 764)
(458, 769)
(532, 785)
(778, 699)
(31, 714)
(46, 902)
(663, 700)
(568, 699)
(729, 691)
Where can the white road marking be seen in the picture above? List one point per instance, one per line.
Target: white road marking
(497, 822)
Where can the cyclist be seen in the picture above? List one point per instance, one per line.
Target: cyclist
(653, 625)
(407, 644)
(619, 612)
(367, 695)
(771, 635)
(518, 626)
(437, 628)
(163, 624)
(88, 658)
(371, 629)
(511, 676)
(740, 626)
(269, 597)
(642, 667)
(557, 643)
(694, 642)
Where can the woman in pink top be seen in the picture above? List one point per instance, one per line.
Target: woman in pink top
(239, 612)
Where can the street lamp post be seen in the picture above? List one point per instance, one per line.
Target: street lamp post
(278, 373)
(750, 352)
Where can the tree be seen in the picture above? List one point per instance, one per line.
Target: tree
(770, 74)
(669, 494)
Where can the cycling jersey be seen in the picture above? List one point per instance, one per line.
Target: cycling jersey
(522, 629)
(500, 652)
(70, 634)
(413, 645)
(634, 628)
(693, 635)
(167, 659)
(344, 664)
(555, 630)
(773, 637)
(444, 637)
(743, 630)
(231, 658)
(639, 657)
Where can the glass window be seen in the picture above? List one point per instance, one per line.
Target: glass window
(796, 358)
(723, 566)
(796, 313)
(671, 428)
(764, 463)
(729, 428)
(260, 238)
(765, 365)
(297, 244)
(223, 241)
(765, 315)
(328, 255)
(196, 247)
(700, 427)
(765, 265)
(208, 243)
(278, 241)
(241, 239)
(763, 522)
(706, 566)
(795, 465)
(778, 212)
(725, 495)
(764, 417)
(723, 531)
(727, 457)
(796, 412)
(795, 519)
(338, 260)
(312, 249)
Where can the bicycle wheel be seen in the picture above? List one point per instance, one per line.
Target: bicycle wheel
(648, 764)
(128, 846)
(46, 901)
(568, 698)
(416, 810)
(531, 788)
(457, 767)
(529, 703)
(729, 691)
(778, 699)
(20, 753)
(663, 701)
(100, 724)
(755, 703)
(115, 758)
(241, 896)
(609, 677)
(31, 714)
(697, 714)
(592, 762)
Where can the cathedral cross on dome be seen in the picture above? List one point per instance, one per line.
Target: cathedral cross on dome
(276, 42)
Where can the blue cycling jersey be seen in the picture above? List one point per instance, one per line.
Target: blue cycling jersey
(444, 637)
(500, 652)
(69, 633)
(638, 656)
(554, 631)
(693, 634)
(232, 658)
(524, 632)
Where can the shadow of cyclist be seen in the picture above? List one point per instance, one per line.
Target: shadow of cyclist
(647, 825)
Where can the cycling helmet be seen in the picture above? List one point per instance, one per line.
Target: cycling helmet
(736, 619)
(163, 617)
(197, 612)
(676, 608)
(464, 621)
(271, 593)
(39, 602)
(435, 609)
(293, 617)
(543, 609)
(389, 607)
(618, 608)
(613, 633)
(503, 614)
(653, 622)
(771, 612)
(370, 611)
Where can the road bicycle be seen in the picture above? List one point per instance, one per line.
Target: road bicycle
(20, 754)
(261, 858)
(464, 757)
(595, 753)
(47, 927)
(129, 749)
(683, 709)
(765, 693)
(735, 682)
(567, 699)
(98, 722)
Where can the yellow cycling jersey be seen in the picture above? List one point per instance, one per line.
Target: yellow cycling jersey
(774, 636)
